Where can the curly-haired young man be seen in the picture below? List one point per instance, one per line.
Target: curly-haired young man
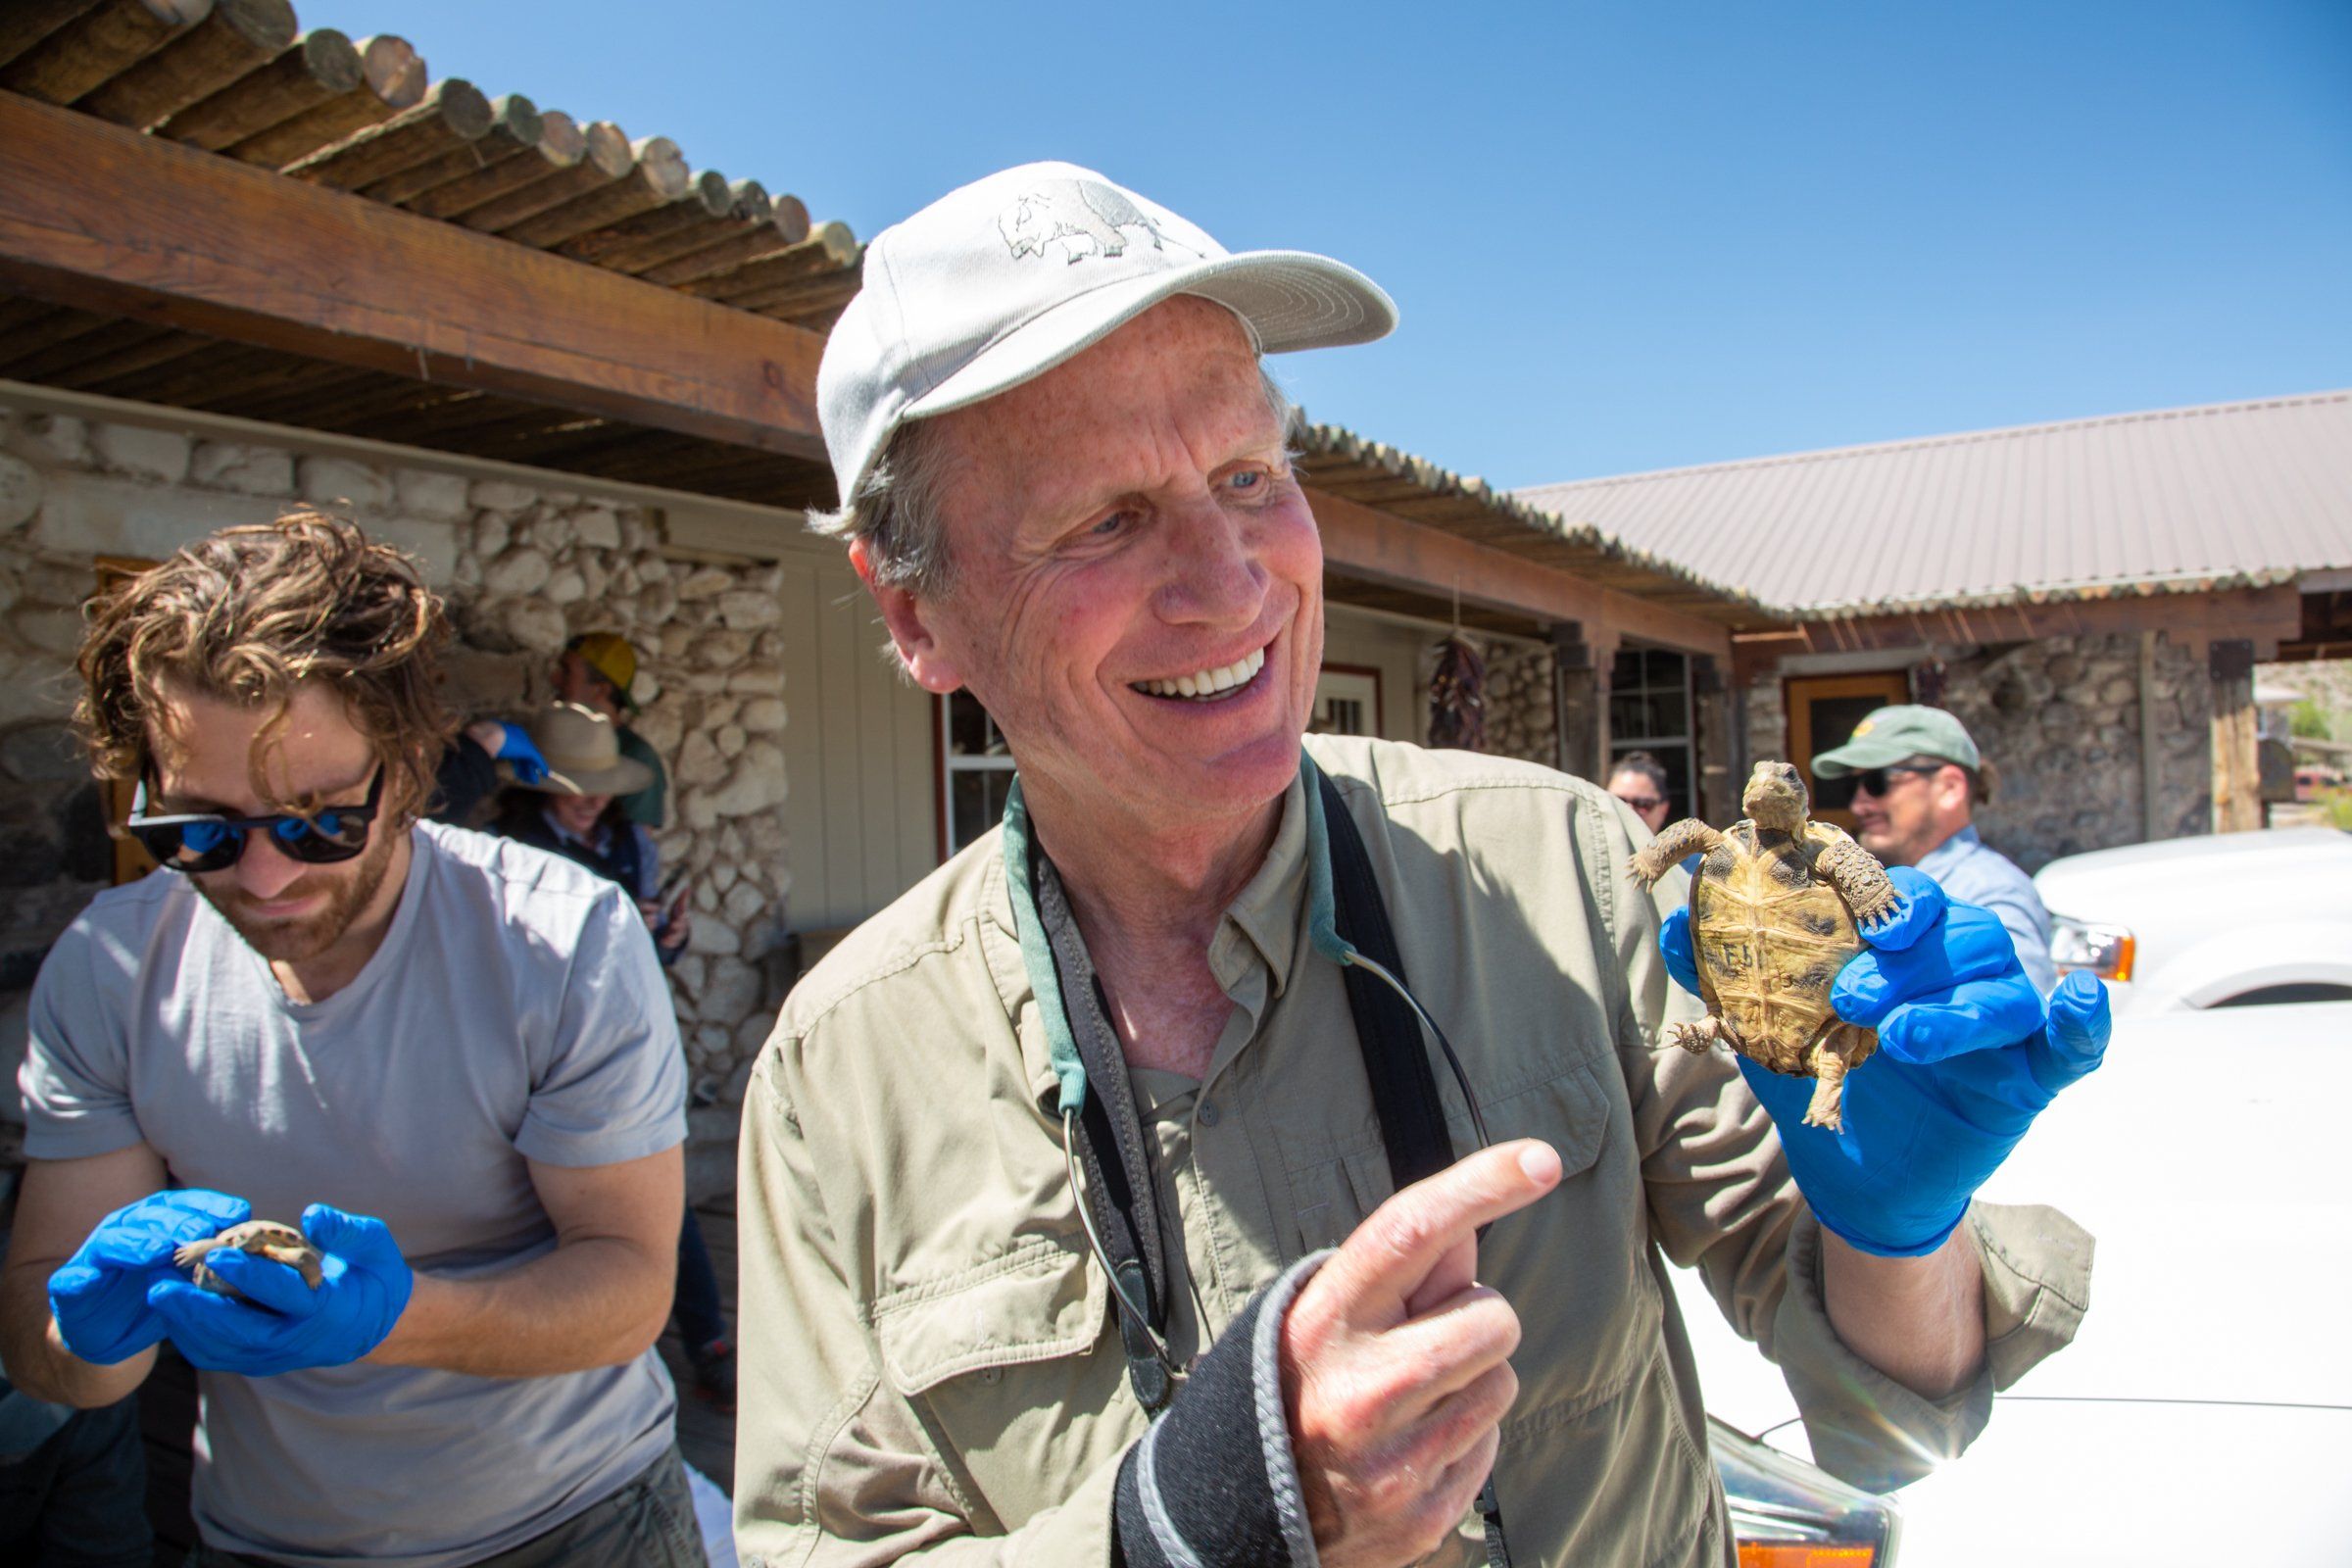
(449, 1057)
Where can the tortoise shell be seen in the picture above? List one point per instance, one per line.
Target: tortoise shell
(1770, 936)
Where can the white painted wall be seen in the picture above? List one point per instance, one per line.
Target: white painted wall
(1351, 637)
(861, 819)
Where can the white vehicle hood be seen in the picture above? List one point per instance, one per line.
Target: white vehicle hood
(2204, 1413)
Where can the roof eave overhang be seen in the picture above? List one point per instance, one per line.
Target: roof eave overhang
(99, 217)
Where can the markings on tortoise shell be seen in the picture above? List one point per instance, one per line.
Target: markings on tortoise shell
(1080, 216)
(1777, 910)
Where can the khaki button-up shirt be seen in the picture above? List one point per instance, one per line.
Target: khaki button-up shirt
(930, 1367)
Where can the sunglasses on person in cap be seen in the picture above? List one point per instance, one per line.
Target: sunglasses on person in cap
(1876, 780)
(1643, 802)
(201, 841)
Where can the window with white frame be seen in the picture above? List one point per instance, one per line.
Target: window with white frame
(1651, 710)
(977, 768)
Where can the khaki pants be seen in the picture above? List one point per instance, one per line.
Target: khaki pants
(649, 1523)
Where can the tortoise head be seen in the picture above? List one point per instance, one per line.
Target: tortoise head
(1774, 797)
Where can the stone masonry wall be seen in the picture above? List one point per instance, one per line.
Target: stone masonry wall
(2059, 719)
(523, 568)
(1522, 719)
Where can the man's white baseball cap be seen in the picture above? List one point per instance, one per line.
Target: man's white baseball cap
(1000, 282)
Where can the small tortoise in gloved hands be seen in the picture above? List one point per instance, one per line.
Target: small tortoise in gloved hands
(1773, 917)
(263, 1238)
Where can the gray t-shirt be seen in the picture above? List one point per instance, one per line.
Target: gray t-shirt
(514, 1012)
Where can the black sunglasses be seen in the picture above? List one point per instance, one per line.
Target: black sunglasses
(202, 841)
(1875, 780)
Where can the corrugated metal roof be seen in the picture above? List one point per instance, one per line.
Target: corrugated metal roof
(1338, 460)
(2177, 499)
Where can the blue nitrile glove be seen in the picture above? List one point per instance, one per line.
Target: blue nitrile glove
(1968, 1055)
(520, 753)
(99, 1295)
(286, 1325)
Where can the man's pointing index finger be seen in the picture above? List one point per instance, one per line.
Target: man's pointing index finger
(1391, 1257)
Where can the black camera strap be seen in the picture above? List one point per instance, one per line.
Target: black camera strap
(1404, 1089)
(1120, 1193)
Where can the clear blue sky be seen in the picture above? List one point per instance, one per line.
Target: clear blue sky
(1624, 237)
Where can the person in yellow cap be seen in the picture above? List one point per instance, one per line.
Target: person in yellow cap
(596, 670)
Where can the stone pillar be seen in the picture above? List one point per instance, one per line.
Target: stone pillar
(1767, 720)
(2237, 770)
(2151, 750)
(1717, 776)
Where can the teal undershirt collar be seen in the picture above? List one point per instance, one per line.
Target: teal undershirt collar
(1037, 954)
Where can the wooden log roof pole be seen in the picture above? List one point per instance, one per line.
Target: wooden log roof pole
(391, 79)
(238, 37)
(57, 53)
(657, 175)
(26, 22)
(98, 218)
(453, 115)
(520, 137)
(603, 158)
(315, 69)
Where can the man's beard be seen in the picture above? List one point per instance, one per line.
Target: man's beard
(347, 895)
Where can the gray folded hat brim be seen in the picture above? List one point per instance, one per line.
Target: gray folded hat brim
(1290, 298)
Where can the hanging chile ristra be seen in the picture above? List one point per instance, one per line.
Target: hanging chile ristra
(1457, 697)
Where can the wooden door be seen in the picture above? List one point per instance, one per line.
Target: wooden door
(1822, 710)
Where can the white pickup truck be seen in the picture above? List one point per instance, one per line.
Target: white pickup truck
(2204, 1413)
(2232, 919)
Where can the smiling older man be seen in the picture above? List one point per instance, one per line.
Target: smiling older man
(1102, 1202)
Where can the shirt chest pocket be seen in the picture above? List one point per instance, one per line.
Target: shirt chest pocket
(1334, 1188)
(1013, 1368)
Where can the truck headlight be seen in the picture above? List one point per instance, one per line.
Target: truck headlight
(1789, 1514)
(2104, 949)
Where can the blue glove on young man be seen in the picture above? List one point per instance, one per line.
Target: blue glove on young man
(1968, 1055)
(99, 1295)
(286, 1325)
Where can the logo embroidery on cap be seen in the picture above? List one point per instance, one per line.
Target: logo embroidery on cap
(1865, 727)
(1084, 217)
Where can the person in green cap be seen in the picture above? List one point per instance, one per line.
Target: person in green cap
(596, 671)
(1918, 779)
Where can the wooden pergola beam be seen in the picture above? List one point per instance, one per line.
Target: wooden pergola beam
(102, 219)
(1362, 542)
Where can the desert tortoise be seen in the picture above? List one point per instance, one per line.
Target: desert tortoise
(263, 1238)
(1775, 912)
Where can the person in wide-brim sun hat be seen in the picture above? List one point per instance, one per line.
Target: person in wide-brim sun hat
(583, 748)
